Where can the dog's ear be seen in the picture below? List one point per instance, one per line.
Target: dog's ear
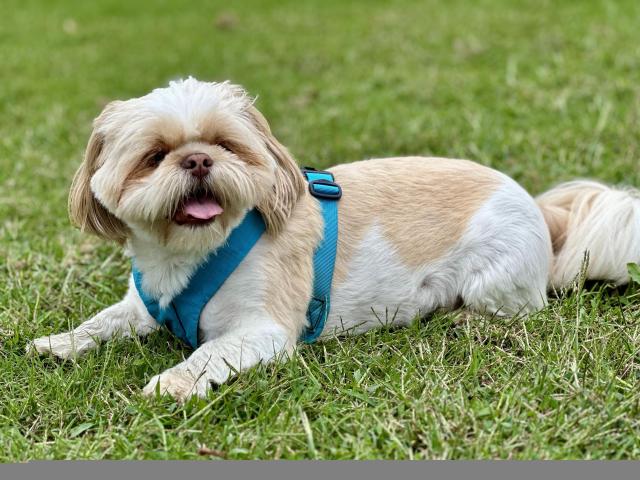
(289, 184)
(85, 210)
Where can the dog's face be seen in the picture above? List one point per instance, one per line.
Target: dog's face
(181, 166)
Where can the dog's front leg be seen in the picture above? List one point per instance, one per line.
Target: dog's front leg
(218, 359)
(125, 318)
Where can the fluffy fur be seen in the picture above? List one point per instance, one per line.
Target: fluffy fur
(415, 234)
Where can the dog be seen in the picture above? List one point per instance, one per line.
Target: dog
(171, 174)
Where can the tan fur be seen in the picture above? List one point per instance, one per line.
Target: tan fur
(138, 172)
(422, 204)
(289, 185)
(289, 266)
(85, 210)
(556, 219)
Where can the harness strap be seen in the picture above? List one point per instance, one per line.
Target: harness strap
(323, 187)
(182, 315)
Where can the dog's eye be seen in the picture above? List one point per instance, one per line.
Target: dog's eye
(227, 146)
(157, 156)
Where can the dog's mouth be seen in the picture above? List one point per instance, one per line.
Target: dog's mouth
(198, 209)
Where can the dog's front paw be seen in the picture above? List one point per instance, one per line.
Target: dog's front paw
(180, 384)
(64, 345)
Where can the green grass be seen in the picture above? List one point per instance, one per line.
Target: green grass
(544, 91)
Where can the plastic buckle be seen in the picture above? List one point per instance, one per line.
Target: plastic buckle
(324, 188)
(334, 192)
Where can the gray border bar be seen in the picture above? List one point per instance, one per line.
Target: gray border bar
(322, 470)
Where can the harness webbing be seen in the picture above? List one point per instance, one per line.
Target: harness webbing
(182, 315)
(322, 186)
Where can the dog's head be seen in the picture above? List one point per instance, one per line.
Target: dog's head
(181, 166)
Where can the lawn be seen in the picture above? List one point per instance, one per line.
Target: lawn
(544, 91)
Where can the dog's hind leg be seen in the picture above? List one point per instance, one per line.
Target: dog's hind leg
(505, 256)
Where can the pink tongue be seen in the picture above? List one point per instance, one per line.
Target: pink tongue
(204, 209)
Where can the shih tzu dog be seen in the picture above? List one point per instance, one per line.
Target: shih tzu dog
(170, 175)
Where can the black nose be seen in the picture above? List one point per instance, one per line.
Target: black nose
(198, 163)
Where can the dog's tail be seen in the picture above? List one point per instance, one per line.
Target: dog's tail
(594, 221)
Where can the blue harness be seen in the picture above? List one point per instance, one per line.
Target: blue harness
(182, 315)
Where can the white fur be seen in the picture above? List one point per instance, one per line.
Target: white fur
(379, 289)
(166, 272)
